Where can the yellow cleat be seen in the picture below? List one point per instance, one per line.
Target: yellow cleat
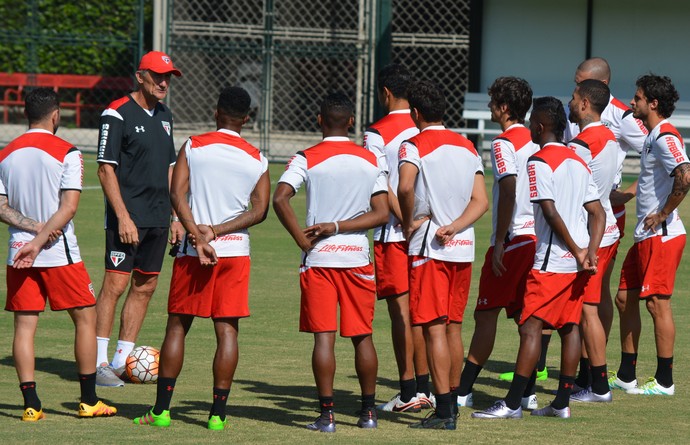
(31, 415)
(100, 409)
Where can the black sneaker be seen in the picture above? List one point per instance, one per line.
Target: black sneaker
(367, 418)
(325, 423)
(433, 422)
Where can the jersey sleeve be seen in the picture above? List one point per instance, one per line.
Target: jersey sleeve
(408, 152)
(374, 143)
(381, 184)
(592, 193)
(172, 154)
(73, 172)
(540, 181)
(295, 172)
(671, 152)
(110, 135)
(3, 190)
(633, 133)
(264, 163)
(503, 159)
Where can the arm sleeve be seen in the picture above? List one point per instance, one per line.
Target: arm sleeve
(540, 181)
(503, 159)
(73, 171)
(671, 152)
(110, 136)
(295, 172)
(633, 133)
(592, 193)
(374, 143)
(408, 152)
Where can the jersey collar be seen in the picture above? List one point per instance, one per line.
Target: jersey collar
(336, 139)
(435, 127)
(230, 132)
(593, 124)
(403, 111)
(38, 130)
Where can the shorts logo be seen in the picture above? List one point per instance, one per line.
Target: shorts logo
(482, 301)
(116, 257)
(645, 288)
(140, 129)
(166, 126)
(91, 289)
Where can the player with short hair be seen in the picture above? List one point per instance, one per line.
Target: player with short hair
(511, 255)
(40, 187)
(211, 272)
(441, 182)
(136, 154)
(383, 138)
(560, 186)
(346, 196)
(597, 146)
(649, 269)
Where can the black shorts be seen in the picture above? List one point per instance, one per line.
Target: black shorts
(145, 257)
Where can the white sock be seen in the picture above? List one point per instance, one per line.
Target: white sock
(121, 353)
(102, 350)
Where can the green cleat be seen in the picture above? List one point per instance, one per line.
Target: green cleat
(215, 424)
(541, 375)
(161, 420)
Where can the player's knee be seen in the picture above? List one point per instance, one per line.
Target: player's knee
(621, 300)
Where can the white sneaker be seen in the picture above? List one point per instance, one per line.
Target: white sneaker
(652, 388)
(105, 376)
(426, 402)
(398, 406)
(529, 402)
(466, 401)
(550, 411)
(616, 383)
(587, 395)
(499, 410)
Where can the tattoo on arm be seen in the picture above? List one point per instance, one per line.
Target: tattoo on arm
(681, 180)
(14, 218)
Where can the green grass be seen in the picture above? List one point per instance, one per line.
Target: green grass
(273, 396)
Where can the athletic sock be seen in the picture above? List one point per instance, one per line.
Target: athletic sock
(584, 377)
(164, 392)
(468, 377)
(545, 339)
(31, 399)
(517, 388)
(627, 370)
(368, 401)
(102, 350)
(87, 384)
(664, 371)
(423, 384)
(326, 404)
(454, 400)
(565, 388)
(408, 390)
(220, 400)
(600, 382)
(443, 409)
(121, 353)
(529, 389)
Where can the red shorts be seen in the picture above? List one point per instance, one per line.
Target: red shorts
(594, 282)
(619, 213)
(326, 288)
(507, 290)
(651, 265)
(220, 291)
(392, 269)
(554, 298)
(438, 290)
(65, 287)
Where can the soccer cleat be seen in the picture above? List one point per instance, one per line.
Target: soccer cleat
(100, 409)
(589, 396)
(433, 422)
(106, 376)
(33, 415)
(368, 418)
(616, 383)
(325, 423)
(161, 420)
(426, 402)
(550, 411)
(652, 388)
(214, 423)
(499, 410)
(529, 402)
(541, 375)
(398, 406)
(466, 401)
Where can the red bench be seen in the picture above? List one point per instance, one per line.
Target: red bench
(15, 84)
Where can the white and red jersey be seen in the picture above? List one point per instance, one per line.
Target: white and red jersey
(447, 163)
(223, 172)
(341, 177)
(663, 151)
(383, 139)
(598, 147)
(34, 169)
(557, 174)
(509, 154)
(629, 132)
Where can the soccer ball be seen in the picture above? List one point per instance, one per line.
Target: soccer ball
(142, 364)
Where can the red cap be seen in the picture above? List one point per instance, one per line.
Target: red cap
(158, 62)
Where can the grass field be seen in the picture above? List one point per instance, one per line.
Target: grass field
(273, 395)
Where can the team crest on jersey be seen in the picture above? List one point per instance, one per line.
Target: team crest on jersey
(116, 257)
(166, 126)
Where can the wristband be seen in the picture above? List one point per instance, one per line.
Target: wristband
(174, 219)
(214, 232)
(337, 228)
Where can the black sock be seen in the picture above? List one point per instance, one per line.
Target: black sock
(627, 371)
(368, 401)
(326, 404)
(443, 409)
(164, 393)
(565, 388)
(220, 400)
(517, 388)
(31, 399)
(468, 377)
(423, 384)
(600, 381)
(545, 339)
(664, 371)
(87, 383)
(408, 390)
(529, 389)
(584, 377)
